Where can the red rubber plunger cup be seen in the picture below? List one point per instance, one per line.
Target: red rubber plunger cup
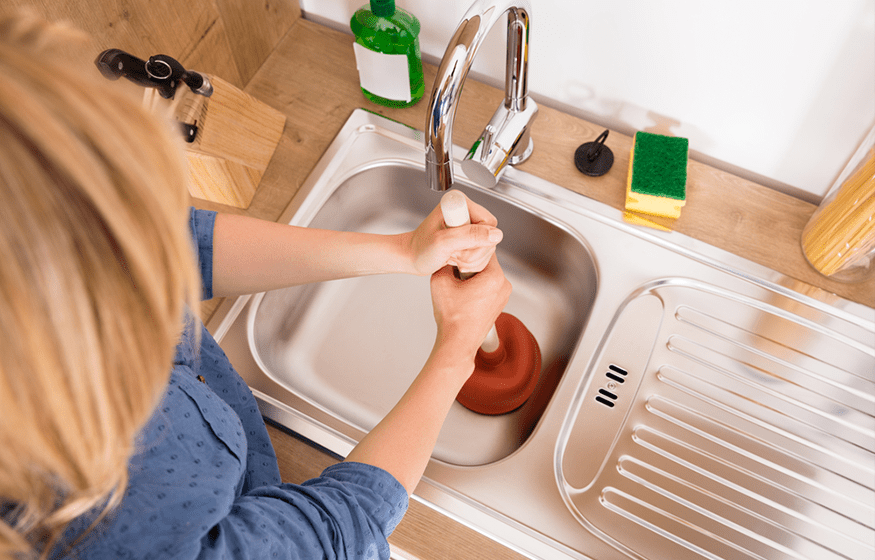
(504, 379)
(507, 366)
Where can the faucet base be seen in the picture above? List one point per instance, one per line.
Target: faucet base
(521, 157)
(506, 140)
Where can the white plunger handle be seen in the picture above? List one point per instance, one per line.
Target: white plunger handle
(454, 207)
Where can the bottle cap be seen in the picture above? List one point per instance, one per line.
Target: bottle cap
(383, 8)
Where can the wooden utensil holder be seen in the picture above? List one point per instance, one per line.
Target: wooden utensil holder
(235, 140)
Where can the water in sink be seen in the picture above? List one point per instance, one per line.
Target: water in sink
(351, 347)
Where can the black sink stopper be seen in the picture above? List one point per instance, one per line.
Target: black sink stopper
(594, 158)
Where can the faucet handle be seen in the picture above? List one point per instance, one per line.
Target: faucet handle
(505, 140)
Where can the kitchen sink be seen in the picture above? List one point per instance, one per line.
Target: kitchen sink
(353, 346)
(693, 404)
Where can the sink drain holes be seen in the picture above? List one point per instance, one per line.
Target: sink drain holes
(613, 375)
(616, 378)
(616, 375)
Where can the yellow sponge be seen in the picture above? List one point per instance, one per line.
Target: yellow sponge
(657, 175)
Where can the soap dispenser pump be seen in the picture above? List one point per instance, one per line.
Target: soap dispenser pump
(387, 54)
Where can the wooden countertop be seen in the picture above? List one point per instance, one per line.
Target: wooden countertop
(311, 76)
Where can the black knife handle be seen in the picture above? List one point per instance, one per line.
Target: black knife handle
(116, 63)
(163, 67)
(168, 68)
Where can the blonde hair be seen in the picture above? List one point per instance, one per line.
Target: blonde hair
(96, 272)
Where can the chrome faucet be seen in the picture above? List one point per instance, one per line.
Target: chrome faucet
(506, 139)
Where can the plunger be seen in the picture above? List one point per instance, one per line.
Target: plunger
(508, 363)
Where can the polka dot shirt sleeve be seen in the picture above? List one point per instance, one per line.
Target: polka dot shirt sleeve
(186, 497)
(346, 513)
(201, 223)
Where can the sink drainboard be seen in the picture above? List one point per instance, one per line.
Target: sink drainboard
(734, 429)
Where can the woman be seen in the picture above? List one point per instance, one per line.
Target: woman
(125, 432)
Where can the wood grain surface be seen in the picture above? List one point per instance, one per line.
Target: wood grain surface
(227, 38)
(254, 28)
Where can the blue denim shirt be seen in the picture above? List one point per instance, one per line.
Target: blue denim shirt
(205, 482)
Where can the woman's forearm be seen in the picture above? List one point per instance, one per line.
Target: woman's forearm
(251, 255)
(403, 441)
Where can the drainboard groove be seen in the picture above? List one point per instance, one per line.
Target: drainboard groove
(811, 374)
(743, 497)
(780, 325)
(795, 357)
(786, 487)
(833, 451)
(790, 406)
(774, 527)
(674, 528)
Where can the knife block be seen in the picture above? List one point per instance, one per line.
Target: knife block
(236, 136)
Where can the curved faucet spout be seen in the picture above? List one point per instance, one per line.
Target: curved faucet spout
(506, 139)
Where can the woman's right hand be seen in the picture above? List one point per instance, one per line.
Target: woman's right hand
(403, 441)
(465, 310)
(432, 245)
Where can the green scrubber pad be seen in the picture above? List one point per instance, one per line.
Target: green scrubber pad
(657, 174)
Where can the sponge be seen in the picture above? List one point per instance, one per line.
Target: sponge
(657, 175)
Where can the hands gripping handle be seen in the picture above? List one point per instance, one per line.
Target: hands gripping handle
(454, 207)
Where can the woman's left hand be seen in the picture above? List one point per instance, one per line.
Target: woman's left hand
(432, 245)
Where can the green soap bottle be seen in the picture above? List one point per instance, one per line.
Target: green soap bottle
(387, 54)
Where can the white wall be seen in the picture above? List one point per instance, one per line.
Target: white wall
(779, 90)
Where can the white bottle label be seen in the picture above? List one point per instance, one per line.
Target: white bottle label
(386, 75)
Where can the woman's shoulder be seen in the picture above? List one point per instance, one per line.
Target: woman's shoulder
(190, 416)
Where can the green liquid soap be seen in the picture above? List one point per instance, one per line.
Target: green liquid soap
(387, 54)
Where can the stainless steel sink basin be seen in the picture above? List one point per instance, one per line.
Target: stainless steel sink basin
(353, 346)
(700, 405)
